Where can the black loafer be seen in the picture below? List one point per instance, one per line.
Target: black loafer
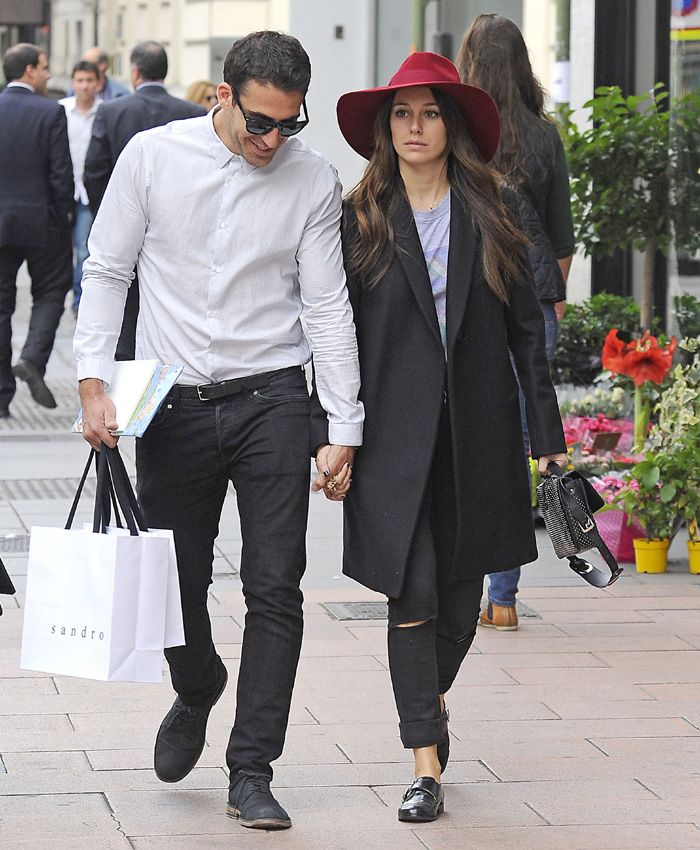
(180, 739)
(443, 747)
(27, 372)
(423, 801)
(251, 802)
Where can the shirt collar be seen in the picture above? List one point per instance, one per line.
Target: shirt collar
(71, 103)
(18, 85)
(150, 83)
(218, 149)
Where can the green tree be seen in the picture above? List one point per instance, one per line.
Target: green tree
(634, 176)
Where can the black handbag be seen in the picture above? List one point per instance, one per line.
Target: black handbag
(567, 503)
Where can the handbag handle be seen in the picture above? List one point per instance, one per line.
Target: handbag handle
(125, 492)
(105, 497)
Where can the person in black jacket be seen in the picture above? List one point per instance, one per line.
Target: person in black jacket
(116, 122)
(36, 214)
(441, 292)
(493, 55)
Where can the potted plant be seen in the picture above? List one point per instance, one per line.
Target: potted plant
(648, 494)
(676, 436)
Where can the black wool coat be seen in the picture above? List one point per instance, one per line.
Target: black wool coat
(405, 373)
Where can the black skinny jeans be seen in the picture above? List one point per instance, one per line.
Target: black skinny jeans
(424, 660)
(259, 440)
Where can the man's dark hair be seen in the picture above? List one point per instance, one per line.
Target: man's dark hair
(150, 60)
(87, 67)
(270, 57)
(17, 58)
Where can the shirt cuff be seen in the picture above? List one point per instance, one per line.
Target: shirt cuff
(345, 435)
(94, 367)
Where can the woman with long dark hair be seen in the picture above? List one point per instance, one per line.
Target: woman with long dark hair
(493, 55)
(441, 291)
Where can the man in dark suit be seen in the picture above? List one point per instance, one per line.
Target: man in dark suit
(115, 123)
(36, 214)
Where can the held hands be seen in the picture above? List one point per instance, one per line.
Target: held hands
(99, 414)
(334, 464)
(561, 459)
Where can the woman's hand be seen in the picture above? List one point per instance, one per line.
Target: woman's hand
(561, 459)
(334, 465)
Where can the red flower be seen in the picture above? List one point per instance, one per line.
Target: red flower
(613, 352)
(640, 359)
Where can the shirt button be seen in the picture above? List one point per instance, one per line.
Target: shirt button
(217, 269)
(222, 225)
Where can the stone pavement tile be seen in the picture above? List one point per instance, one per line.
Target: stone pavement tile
(476, 732)
(174, 812)
(467, 704)
(597, 766)
(521, 642)
(602, 802)
(71, 773)
(672, 786)
(347, 664)
(615, 630)
(588, 837)
(352, 593)
(22, 686)
(297, 838)
(683, 752)
(349, 705)
(372, 743)
(506, 659)
(60, 815)
(658, 589)
(672, 691)
(226, 630)
(54, 733)
(141, 758)
(559, 617)
(575, 592)
(621, 603)
(602, 677)
(392, 773)
(584, 690)
(569, 709)
(9, 660)
(668, 666)
(119, 842)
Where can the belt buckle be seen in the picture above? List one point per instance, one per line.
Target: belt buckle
(199, 392)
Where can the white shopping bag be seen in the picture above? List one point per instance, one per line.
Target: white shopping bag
(89, 602)
(166, 628)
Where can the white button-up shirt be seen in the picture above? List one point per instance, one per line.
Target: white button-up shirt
(79, 133)
(230, 257)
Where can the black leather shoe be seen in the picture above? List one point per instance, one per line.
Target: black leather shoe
(443, 748)
(26, 371)
(251, 802)
(423, 801)
(180, 739)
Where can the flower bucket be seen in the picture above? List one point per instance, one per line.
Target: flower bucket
(694, 556)
(617, 534)
(651, 556)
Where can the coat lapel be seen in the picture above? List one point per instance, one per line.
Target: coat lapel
(412, 260)
(460, 268)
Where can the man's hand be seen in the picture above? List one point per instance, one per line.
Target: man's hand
(334, 464)
(99, 414)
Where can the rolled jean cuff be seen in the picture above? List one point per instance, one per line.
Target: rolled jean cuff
(423, 733)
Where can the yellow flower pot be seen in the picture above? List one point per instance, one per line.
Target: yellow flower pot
(651, 556)
(694, 556)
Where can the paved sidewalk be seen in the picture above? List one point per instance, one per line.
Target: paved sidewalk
(581, 731)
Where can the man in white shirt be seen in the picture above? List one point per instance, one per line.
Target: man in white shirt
(233, 224)
(81, 108)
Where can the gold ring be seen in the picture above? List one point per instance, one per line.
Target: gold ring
(331, 484)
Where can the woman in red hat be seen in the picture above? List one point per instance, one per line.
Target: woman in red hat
(493, 55)
(441, 290)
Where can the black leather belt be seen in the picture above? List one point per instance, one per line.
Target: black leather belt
(222, 389)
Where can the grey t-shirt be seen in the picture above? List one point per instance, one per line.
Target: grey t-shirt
(434, 232)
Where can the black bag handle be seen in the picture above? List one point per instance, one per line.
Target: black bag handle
(125, 492)
(105, 498)
(580, 566)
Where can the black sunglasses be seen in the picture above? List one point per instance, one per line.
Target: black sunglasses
(261, 125)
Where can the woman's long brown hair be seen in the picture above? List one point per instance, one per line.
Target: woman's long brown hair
(493, 55)
(380, 193)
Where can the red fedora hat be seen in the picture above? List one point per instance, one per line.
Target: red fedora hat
(357, 109)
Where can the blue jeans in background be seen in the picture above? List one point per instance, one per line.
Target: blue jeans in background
(81, 231)
(503, 586)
